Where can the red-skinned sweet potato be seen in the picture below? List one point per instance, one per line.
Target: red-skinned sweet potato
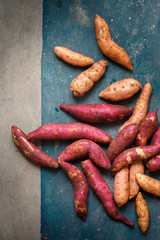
(67, 131)
(121, 141)
(82, 149)
(134, 154)
(153, 164)
(145, 130)
(30, 150)
(102, 190)
(80, 188)
(98, 113)
(118, 144)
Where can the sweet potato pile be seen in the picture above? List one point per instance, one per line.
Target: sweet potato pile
(127, 151)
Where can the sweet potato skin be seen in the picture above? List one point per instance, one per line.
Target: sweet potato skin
(135, 167)
(102, 190)
(134, 154)
(121, 90)
(141, 107)
(148, 184)
(80, 188)
(107, 46)
(153, 164)
(121, 186)
(30, 150)
(85, 81)
(67, 131)
(121, 141)
(142, 212)
(84, 148)
(97, 113)
(146, 129)
(73, 58)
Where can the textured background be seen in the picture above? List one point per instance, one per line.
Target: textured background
(20, 104)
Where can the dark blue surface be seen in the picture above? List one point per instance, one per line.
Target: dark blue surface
(134, 25)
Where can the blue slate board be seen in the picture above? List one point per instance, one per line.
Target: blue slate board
(135, 25)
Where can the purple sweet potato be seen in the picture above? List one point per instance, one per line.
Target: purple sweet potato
(134, 154)
(146, 129)
(153, 164)
(80, 188)
(67, 131)
(98, 113)
(121, 141)
(84, 148)
(102, 190)
(30, 150)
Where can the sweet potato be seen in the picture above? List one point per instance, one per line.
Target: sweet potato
(141, 107)
(73, 58)
(134, 154)
(121, 141)
(67, 131)
(80, 188)
(118, 144)
(102, 190)
(107, 46)
(142, 212)
(146, 129)
(148, 184)
(153, 164)
(121, 90)
(121, 186)
(84, 148)
(135, 167)
(85, 80)
(98, 113)
(30, 150)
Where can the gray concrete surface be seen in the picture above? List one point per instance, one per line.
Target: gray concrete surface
(20, 104)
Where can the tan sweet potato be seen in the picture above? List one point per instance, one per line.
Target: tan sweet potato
(72, 57)
(107, 46)
(121, 186)
(142, 212)
(121, 90)
(85, 81)
(148, 184)
(141, 107)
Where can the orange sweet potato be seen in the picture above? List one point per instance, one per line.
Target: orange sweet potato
(85, 81)
(108, 47)
(141, 107)
(142, 212)
(73, 58)
(121, 90)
